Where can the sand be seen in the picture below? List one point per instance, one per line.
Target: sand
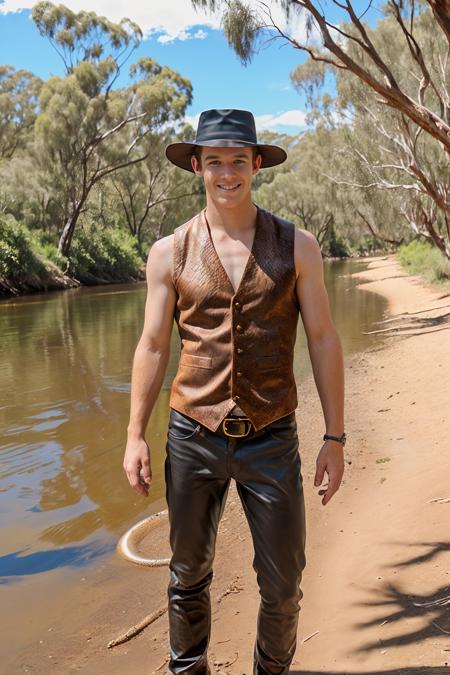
(377, 581)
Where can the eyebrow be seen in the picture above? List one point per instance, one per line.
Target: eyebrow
(240, 154)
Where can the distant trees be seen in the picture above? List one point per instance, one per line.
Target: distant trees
(86, 129)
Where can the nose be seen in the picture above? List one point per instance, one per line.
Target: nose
(228, 169)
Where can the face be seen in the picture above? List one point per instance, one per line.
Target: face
(227, 174)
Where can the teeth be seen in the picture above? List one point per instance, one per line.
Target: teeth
(229, 187)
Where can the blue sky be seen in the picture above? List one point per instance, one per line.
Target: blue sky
(191, 43)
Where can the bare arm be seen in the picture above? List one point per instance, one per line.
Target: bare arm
(150, 361)
(325, 351)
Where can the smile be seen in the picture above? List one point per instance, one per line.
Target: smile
(229, 188)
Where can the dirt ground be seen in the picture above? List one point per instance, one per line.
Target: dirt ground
(377, 581)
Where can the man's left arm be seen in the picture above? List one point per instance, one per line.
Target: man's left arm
(327, 361)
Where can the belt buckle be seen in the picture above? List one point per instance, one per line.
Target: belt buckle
(235, 420)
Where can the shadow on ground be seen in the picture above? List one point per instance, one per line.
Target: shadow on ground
(420, 670)
(432, 608)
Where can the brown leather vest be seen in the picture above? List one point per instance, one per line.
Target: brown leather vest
(235, 347)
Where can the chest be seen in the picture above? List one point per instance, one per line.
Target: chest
(232, 255)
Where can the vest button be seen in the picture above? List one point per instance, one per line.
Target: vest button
(239, 373)
(237, 304)
(236, 398)
(239, 350)
(239, 328)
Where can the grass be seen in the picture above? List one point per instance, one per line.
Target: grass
(419, 257)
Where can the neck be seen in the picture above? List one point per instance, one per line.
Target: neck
(243, 217)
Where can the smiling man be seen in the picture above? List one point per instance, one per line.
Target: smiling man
(235, 278)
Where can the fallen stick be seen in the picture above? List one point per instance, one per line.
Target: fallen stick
(434, 603)
(406, 314)
(447, 632)
(309, 636)
(134, 630)
(441, 500)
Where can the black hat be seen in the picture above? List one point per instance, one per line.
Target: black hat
(224, 128)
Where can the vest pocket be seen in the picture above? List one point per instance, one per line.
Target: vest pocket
(195, 361)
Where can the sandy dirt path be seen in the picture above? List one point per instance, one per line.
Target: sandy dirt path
(377, 582)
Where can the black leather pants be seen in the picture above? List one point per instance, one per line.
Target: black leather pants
(266, 468)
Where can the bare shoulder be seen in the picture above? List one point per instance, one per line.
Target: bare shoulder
(160, 258)
(307, 254)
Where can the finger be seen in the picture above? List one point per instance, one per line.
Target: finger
(331, 490)
(137, 484)
(320, 471)
(146, 475)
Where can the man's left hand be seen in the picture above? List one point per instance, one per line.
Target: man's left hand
(331, 460)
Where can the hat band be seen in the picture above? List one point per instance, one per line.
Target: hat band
(232, 135)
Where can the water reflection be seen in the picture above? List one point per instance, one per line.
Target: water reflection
(65, 364)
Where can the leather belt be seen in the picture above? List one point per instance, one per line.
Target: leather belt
(236, 426)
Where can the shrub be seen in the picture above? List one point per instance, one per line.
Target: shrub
(19, 261)
(47, 248)
(338, 247)
(110, 255)
(420, 257)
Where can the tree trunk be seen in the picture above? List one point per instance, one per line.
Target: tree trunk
(68, 230)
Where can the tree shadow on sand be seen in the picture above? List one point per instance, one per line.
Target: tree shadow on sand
(432, 608)
(408, 325)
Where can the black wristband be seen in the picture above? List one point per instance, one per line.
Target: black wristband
(339, 439)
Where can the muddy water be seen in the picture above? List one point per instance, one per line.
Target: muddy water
(65, 362)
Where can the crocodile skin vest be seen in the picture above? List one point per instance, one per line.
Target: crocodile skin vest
(236, 347)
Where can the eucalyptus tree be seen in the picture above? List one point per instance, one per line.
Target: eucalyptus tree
(380, 150)
(144, 190)
(88, 128)
(19, 90)
(301, 193)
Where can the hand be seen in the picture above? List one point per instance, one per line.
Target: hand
(137, 465)
(331, 460)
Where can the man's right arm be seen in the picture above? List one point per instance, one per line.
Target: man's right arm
(150, 361)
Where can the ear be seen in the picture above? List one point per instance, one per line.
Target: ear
(257, 164)
(195, 165)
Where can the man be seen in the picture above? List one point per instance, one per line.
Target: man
(235, 277)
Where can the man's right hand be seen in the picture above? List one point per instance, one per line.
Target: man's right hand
(137, 465)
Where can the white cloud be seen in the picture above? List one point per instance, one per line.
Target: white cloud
(182, 35)
(171, 18)
(289, 118)
(193, 120)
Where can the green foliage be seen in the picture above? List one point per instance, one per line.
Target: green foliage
(43, 242)
(85, 36)
(419, 257)
(19, 92)
(368, 245)
(241, 27)
(18, 259)
(338, 246)
(107, 255)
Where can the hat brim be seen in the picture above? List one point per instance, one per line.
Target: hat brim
(180, 153)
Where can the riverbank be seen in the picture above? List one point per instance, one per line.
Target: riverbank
(377, 548)
(31, 263)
